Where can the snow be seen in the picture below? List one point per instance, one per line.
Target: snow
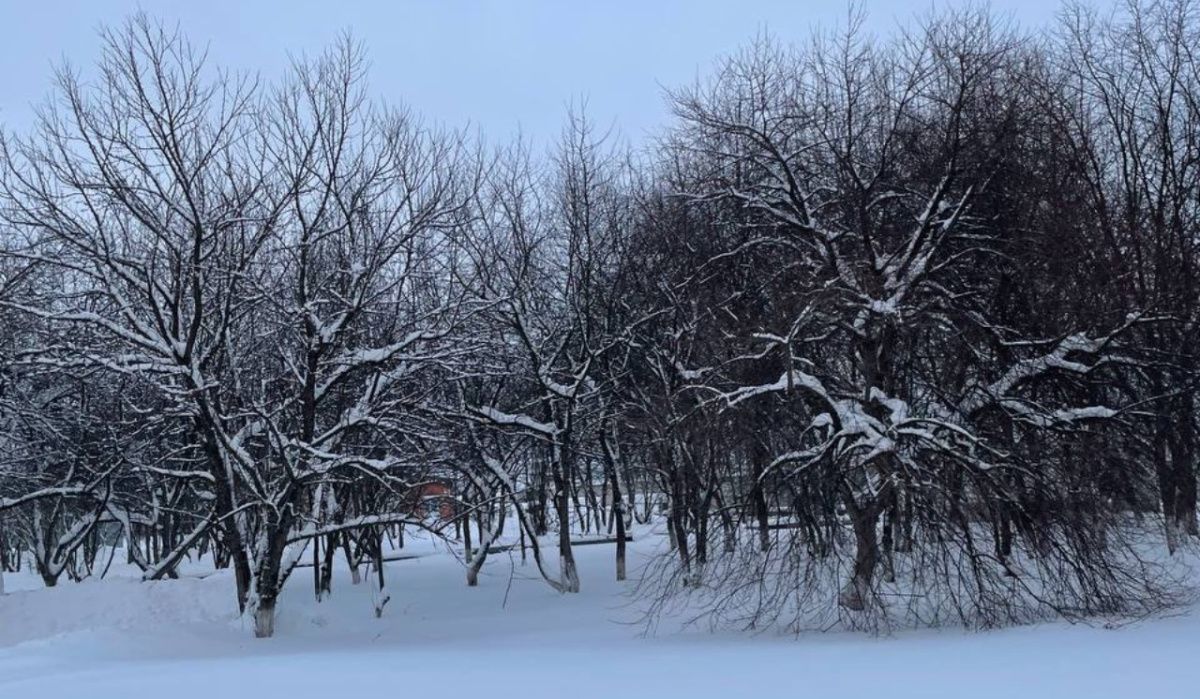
(502, 418)
(513, 636)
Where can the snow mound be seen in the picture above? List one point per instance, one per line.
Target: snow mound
(116, 604)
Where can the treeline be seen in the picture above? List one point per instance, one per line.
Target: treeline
(880, 331)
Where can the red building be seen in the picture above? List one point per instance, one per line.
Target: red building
(434, 498)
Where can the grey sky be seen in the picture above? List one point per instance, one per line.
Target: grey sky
(491, 63)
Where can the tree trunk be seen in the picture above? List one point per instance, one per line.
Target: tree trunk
(270, 572)
(351, 560)
(566, 557)
(758, 498)
(856, 593)
(619, 509)
(325, 583)
(485, 543)
(381, 594)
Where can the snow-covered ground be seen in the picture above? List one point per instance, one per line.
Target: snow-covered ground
(513, 636)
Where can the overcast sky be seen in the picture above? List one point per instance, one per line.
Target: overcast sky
(497, 65)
